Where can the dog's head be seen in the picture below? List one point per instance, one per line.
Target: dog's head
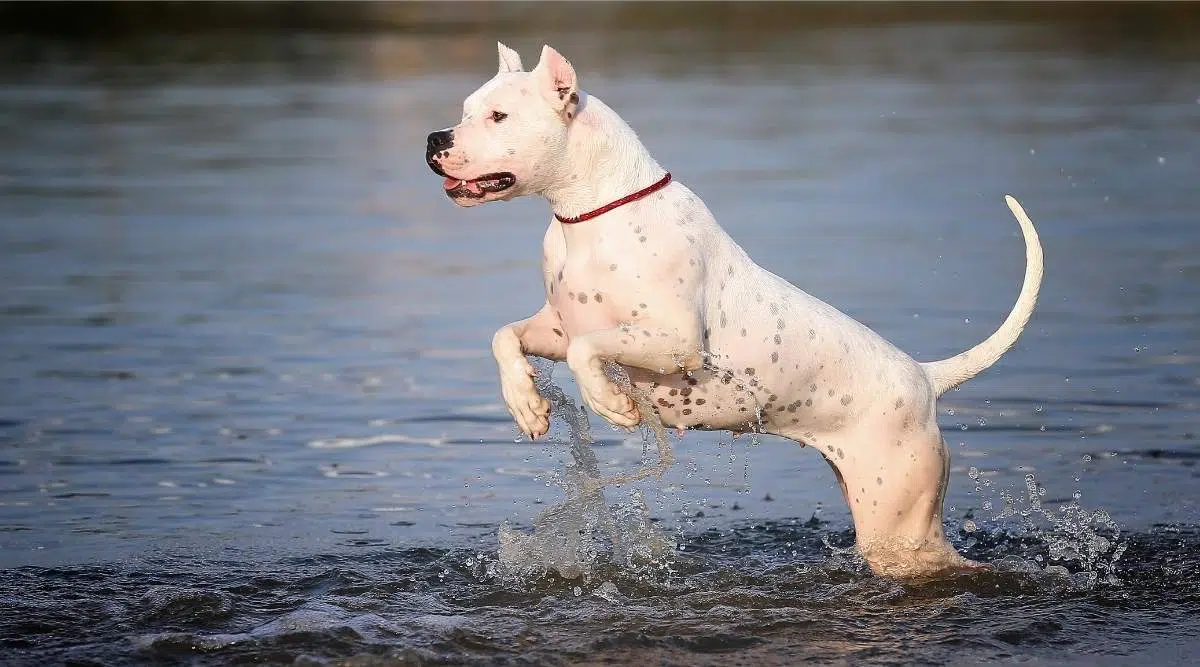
(513, 133)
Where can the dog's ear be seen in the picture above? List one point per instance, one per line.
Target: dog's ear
(556, 78)
(510, 61)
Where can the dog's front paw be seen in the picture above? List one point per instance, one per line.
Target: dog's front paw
(528, 408)
(608, 401)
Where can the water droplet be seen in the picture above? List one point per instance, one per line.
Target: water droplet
(1162, 160)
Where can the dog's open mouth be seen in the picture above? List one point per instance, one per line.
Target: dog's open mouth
(478, 187)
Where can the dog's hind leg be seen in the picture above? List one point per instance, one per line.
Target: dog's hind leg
(895, 490)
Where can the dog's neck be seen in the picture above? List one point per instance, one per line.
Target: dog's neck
(607, 162)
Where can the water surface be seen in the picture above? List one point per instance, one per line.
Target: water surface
(248, 411)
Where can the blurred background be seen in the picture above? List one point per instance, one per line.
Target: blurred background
(243, 330)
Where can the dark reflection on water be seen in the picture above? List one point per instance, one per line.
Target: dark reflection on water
(247, 407)
(741, 593)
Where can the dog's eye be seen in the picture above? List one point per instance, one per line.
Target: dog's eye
(498, 116)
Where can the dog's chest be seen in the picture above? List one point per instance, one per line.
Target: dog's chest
(595, 290)
(583, 300)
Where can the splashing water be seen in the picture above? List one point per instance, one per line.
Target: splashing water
(568, 538)
(1083, 546)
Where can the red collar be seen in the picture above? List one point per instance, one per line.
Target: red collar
(620, 202)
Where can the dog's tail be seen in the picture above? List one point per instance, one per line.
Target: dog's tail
(949, 373)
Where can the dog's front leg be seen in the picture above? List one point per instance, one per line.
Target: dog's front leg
(662, 350)
(542, 336)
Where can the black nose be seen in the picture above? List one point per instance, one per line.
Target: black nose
(441, 140)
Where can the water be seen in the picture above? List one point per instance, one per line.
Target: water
(248, 411)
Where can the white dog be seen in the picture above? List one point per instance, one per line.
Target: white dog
(638, 273)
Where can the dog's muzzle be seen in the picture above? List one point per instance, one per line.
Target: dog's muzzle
(475, 188)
